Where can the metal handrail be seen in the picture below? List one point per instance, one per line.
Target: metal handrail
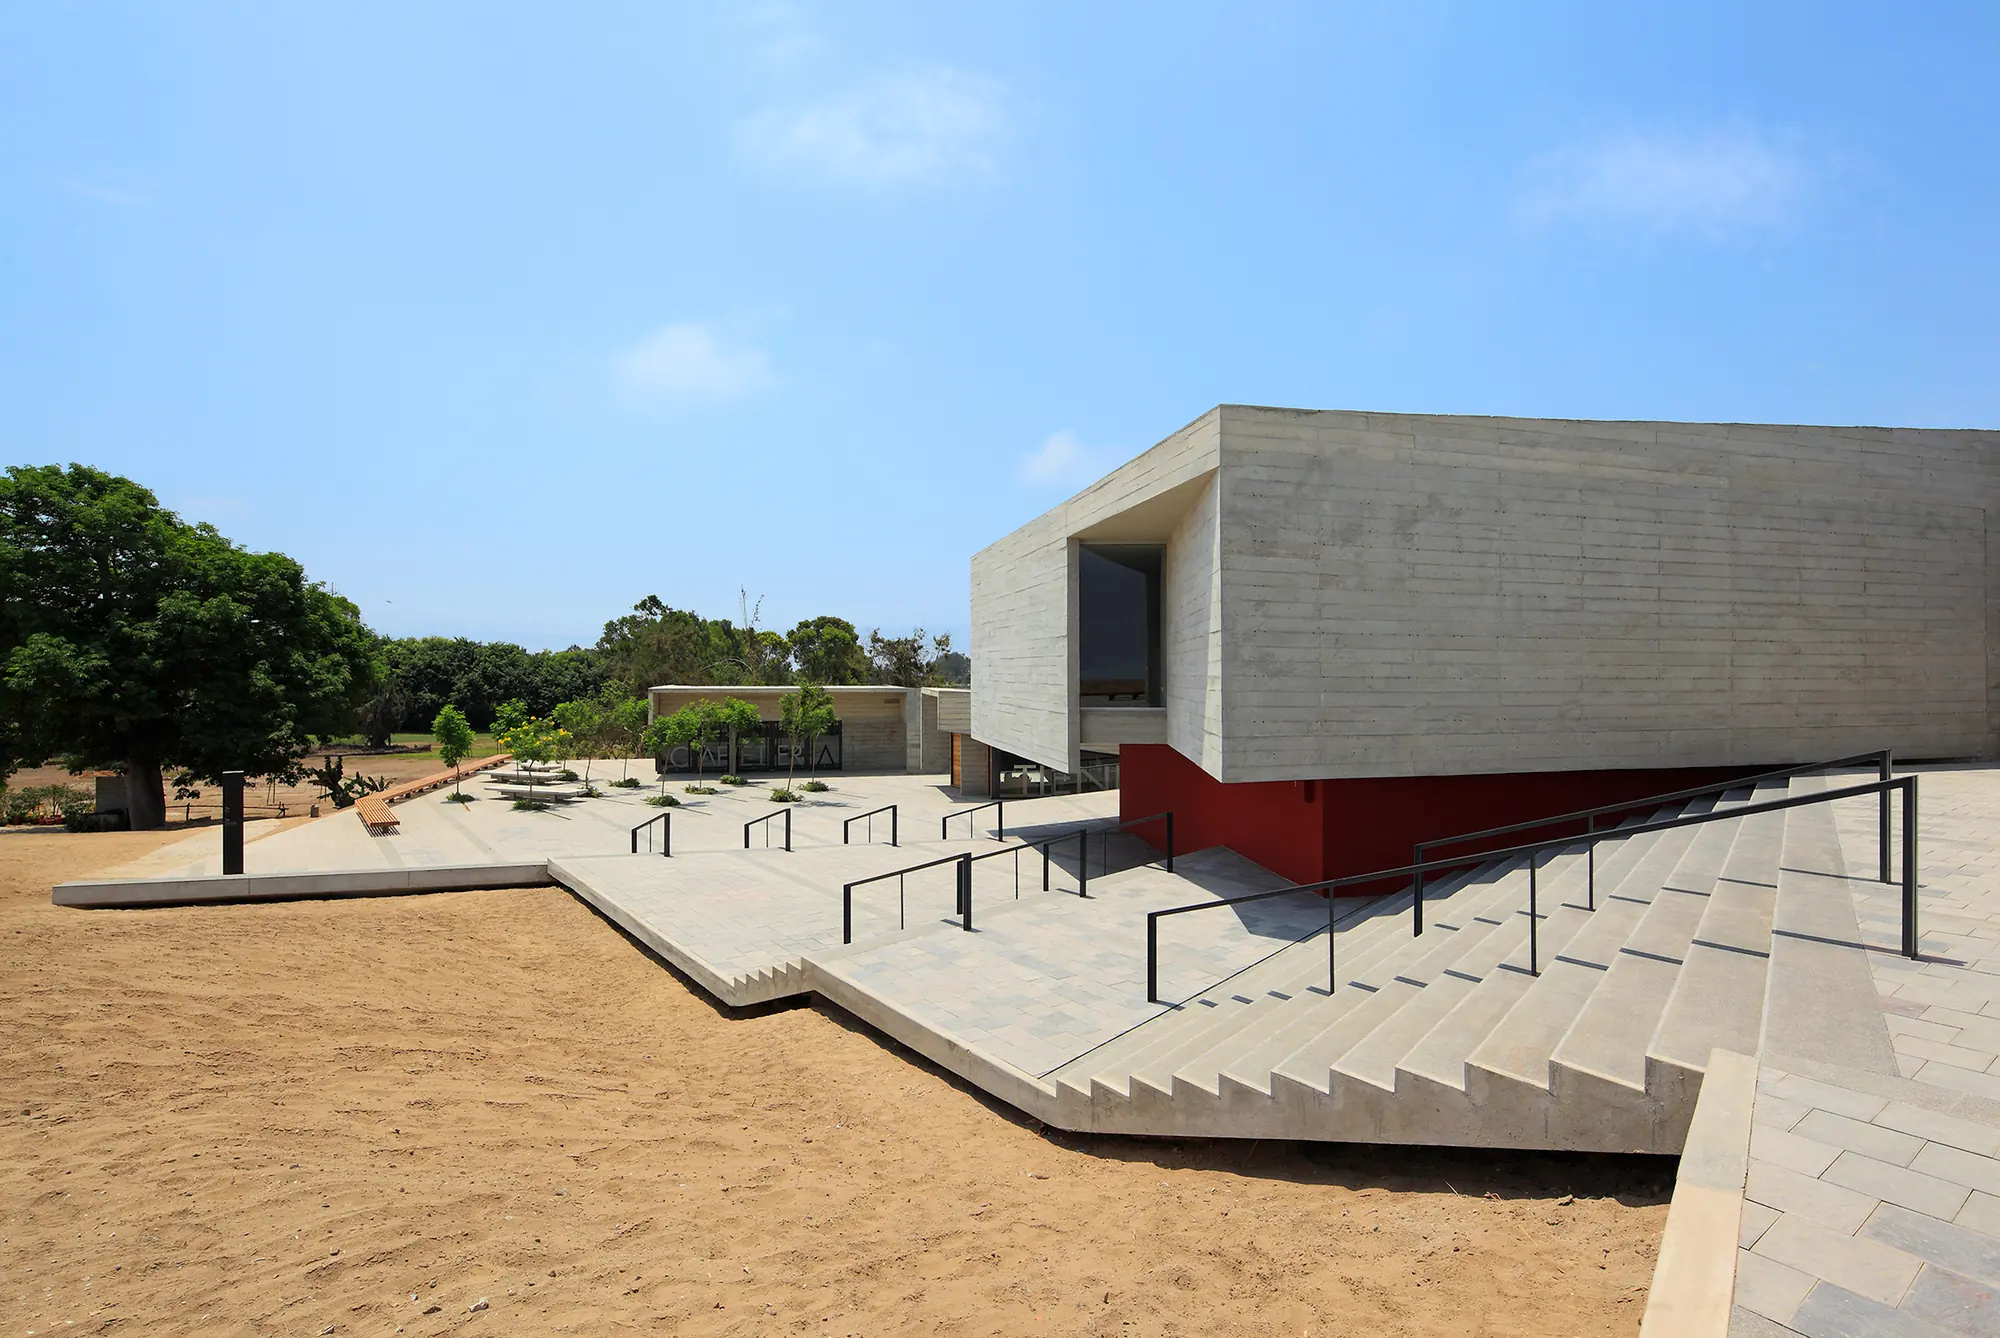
(666, 821)
(1082, 835)
(964, 862)
(784, 813)
(1167, 816)
(1906, 784)
(944, 825)
(1882, 758)
(890, 809)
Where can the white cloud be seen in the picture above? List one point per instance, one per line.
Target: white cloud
(1062, 459)
(687, 363)
(119, 197)
(938, 124)
(1717, 184)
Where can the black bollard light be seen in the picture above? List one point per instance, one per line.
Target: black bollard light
(232, 822)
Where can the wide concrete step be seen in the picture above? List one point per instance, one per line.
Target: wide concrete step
(1609, 1040)
(1258, 1000)
(1430, 990)
(1522, 1045)
(1718, 995)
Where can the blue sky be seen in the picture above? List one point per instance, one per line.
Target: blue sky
(501, 317)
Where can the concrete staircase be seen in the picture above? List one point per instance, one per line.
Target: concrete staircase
(1447, 1038)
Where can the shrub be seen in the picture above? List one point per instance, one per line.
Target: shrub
(567, 775)
(629, 783)
(590, 791)
(693, 788)
(663, 801)
(783, 796)
(816, 786)
(732, 780)
(460, 797)
(530, 805)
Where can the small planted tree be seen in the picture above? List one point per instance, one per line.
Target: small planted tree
(624, 723)
(453, 733)
(804, 716)
(738, 718)
(682, 729)
(582, 721)
(530, 740)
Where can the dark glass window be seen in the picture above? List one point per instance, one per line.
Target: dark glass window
(1118, 642)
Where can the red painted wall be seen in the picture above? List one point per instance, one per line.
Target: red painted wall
(1310, 830)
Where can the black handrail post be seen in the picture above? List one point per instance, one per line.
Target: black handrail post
(1152, 956)
(666, 835)
(1911, 933)
(1417, 898)
(746, 832)
(788, 831)
(1882, 822)
(1170, 841)
(1000, 814)
(965, 877)
(232, 822)
(892, 824)
(635, 839)
(1045, 866)
(847, 913)
(1534, 962)
(1332, 982)
(1590, 854)
(1083, 861)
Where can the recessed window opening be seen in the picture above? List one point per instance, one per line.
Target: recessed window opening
(1118, 609)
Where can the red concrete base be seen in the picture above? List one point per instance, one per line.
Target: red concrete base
(1317, 829)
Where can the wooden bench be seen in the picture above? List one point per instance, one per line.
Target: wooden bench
(375, 813)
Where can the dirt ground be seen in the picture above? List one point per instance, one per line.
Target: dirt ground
(260, 798)
(369, 1116)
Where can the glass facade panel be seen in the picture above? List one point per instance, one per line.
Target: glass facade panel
(1118, 637)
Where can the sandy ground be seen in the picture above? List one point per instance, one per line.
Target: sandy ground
(260, 797)
(367, 1116)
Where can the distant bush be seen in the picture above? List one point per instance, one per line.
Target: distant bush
(663, 801)
(460, 798)
(530, 805)
(629, 783)
(590, 791)
(732, 780)
(43, 805)
(783, 796)
(567, 775)
(693, 788)
(816, 787)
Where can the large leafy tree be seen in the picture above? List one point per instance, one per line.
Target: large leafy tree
(909, 661)
(132, 639)
(828, 650)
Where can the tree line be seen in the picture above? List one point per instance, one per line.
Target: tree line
(654, 644)
(134, 640)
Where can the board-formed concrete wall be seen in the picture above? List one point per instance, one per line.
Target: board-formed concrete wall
(874, 721)
(1024, 593)
(1358, 594)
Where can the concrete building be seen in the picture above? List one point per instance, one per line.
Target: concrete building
(1320, 636)
(881, 729)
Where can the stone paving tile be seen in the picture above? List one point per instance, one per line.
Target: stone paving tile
(1790, 1150)
(1964, 1251)
(1821, 1202)
(1897, 1184)
(1981, 1213)
(1835, 1312)
(1934, 1127)
(1954, 1302)
(1868, 1268)
(1966, 1168)
(1823, 1126)
(1755, 1220)
(1769, 1288)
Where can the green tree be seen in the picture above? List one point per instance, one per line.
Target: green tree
(132, 639)
(805, 715)
(906, 661)
(583, 721)
(453, 733)
(624, 723)
(730, 719)
(682, 729)
(529, 739)
(828, 650)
